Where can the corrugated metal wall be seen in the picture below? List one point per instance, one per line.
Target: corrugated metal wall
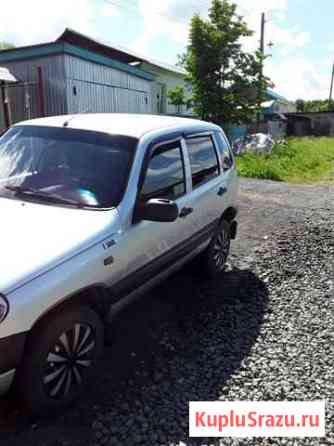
(97, 88)
(24, 102)
(73, 85)
(54, 83)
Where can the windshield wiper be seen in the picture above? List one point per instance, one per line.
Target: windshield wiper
(43, 195)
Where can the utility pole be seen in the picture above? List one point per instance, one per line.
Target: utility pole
(331, 90)
(263, 23)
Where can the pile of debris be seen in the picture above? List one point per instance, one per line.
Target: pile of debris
(258, 143)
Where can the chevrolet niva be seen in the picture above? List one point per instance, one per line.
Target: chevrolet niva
(95, 210)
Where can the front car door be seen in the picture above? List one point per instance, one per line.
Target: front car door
(146, 247)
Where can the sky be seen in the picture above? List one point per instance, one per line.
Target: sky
(299, 63)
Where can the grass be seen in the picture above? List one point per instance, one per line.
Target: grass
(299, 160)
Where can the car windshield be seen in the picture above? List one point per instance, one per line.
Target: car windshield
(65, 166)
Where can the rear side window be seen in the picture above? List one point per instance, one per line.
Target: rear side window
(165, 176)
(225, 152)
(203, 160)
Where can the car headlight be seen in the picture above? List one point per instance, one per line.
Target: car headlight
(4, 307)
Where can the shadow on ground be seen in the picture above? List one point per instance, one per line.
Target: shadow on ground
(180, 342)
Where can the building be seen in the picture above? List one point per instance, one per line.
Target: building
(273, 120)
(311, 123)
(277, 104)
(167, 77)
(78, 74)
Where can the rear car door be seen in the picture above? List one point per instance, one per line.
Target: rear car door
(208, 182)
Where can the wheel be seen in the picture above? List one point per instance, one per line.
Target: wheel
(59, 358)
(217, 252)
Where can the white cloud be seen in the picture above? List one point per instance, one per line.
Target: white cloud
(170, 19)
(298, 78)
(36, 21)
(25, 23)
(292, 74)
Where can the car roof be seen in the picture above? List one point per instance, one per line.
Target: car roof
(135, 125)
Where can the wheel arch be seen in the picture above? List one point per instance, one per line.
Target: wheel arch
(95, 296)
(229, 214)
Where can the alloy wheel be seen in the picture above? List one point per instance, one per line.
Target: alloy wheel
(221, 250)
(68, 361)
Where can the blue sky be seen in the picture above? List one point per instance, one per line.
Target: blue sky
(301, 31)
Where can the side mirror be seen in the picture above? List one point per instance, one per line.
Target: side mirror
(157, 209)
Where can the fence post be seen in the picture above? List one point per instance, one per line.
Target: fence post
(41, 91)
(6, 105)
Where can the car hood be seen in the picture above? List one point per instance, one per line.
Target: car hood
(37, 237)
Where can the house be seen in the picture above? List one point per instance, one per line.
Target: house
(79, 74)
(167, 77)
(273, 120)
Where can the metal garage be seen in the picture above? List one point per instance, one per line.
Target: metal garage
(74, 76)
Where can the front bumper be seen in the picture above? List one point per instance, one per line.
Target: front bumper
(6, 380)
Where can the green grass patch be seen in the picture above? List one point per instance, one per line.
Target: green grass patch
(299, 160)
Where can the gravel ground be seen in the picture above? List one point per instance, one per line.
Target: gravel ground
(264, 331)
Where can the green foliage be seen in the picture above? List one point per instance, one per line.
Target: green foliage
(300, 160)
(226, 81)
(177, 97)
(6, 45)
(317, 105)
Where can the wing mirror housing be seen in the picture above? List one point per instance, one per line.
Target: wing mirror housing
(157, 209)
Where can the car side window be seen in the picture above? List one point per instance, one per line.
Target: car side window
(165, 177)
(225, 152)
(203, 159)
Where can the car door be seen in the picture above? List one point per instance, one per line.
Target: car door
(228, 167)
(151, 246)
(208, 181)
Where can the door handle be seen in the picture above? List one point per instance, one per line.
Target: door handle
(222, 191)
(185, 211)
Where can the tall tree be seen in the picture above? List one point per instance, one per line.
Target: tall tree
(226, 80)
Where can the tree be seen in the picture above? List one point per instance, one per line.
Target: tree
(316, 105)
(226, 80)
(300, 105)
(177, 98)
(6, 45)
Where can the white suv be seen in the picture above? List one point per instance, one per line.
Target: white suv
(95, 209)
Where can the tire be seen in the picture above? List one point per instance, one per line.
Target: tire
(59, 359)
(215, 256)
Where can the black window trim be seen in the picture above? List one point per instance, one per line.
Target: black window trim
(158, 147)
(229, 148)
(162, 141)
(211, 135)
